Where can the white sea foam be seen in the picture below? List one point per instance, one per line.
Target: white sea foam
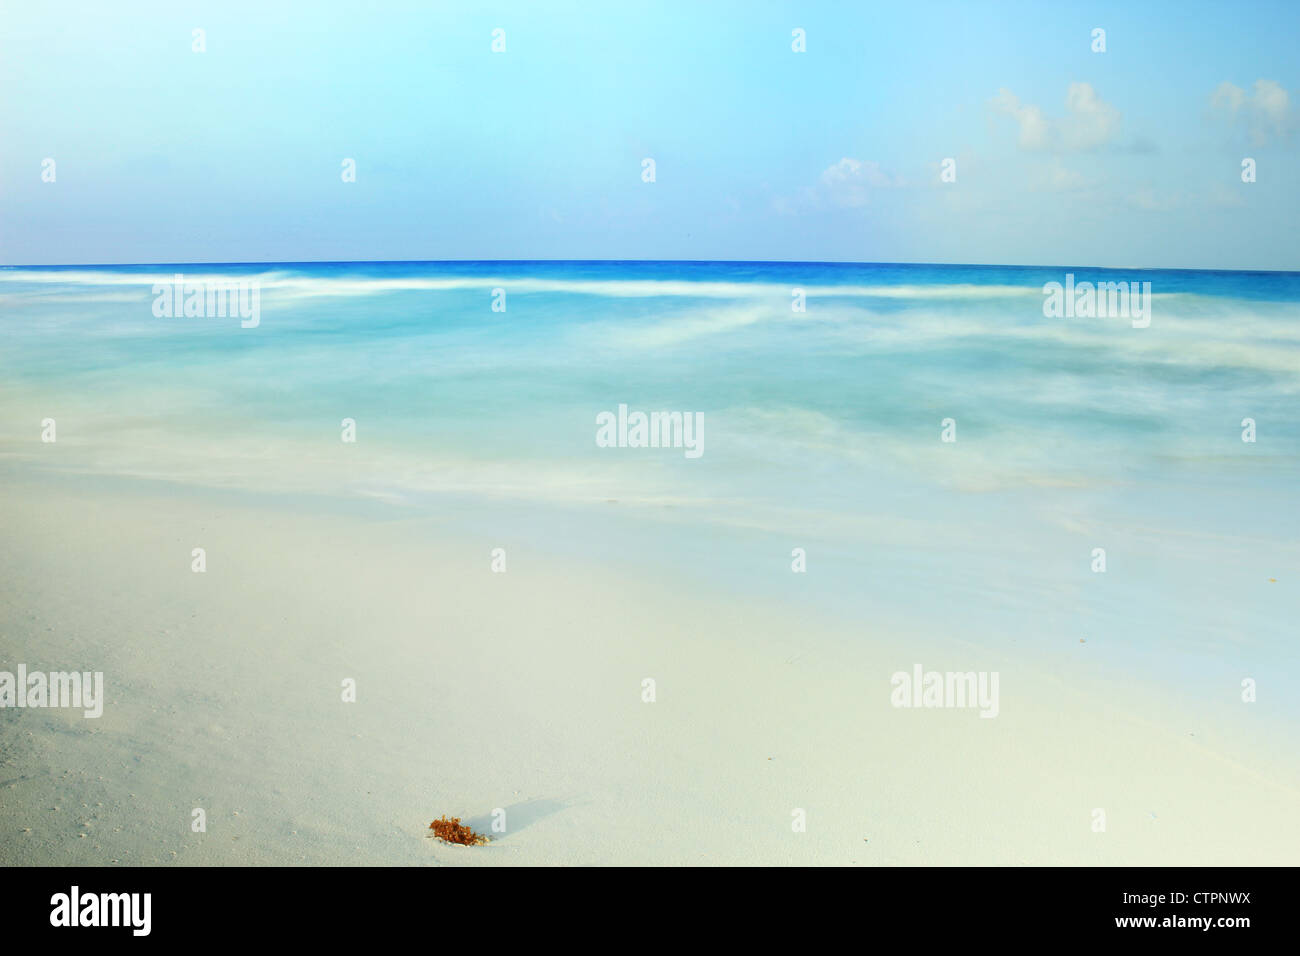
(296, 285)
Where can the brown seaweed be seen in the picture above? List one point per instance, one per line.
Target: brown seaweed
(453, 831)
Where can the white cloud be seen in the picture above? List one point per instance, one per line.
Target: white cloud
(1055, 178)
(1088, 123)
(1264, 114)
(1035, 131)
(1091, 121)
(850, 181)
(1228, 97)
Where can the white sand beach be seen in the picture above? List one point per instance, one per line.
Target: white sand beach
(523, 691)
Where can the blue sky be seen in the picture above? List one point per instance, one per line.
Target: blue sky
(1131, 157)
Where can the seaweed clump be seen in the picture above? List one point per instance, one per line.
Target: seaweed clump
(453, 831)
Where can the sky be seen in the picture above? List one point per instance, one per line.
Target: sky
(1062, 155)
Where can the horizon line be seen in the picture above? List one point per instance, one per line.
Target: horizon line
(799, 262)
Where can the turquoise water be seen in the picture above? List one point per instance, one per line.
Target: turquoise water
(822, 428)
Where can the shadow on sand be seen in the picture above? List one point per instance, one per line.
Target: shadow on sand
(518, 816)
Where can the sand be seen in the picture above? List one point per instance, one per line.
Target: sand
(523, 691)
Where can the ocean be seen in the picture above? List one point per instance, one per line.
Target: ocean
(946, 456)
